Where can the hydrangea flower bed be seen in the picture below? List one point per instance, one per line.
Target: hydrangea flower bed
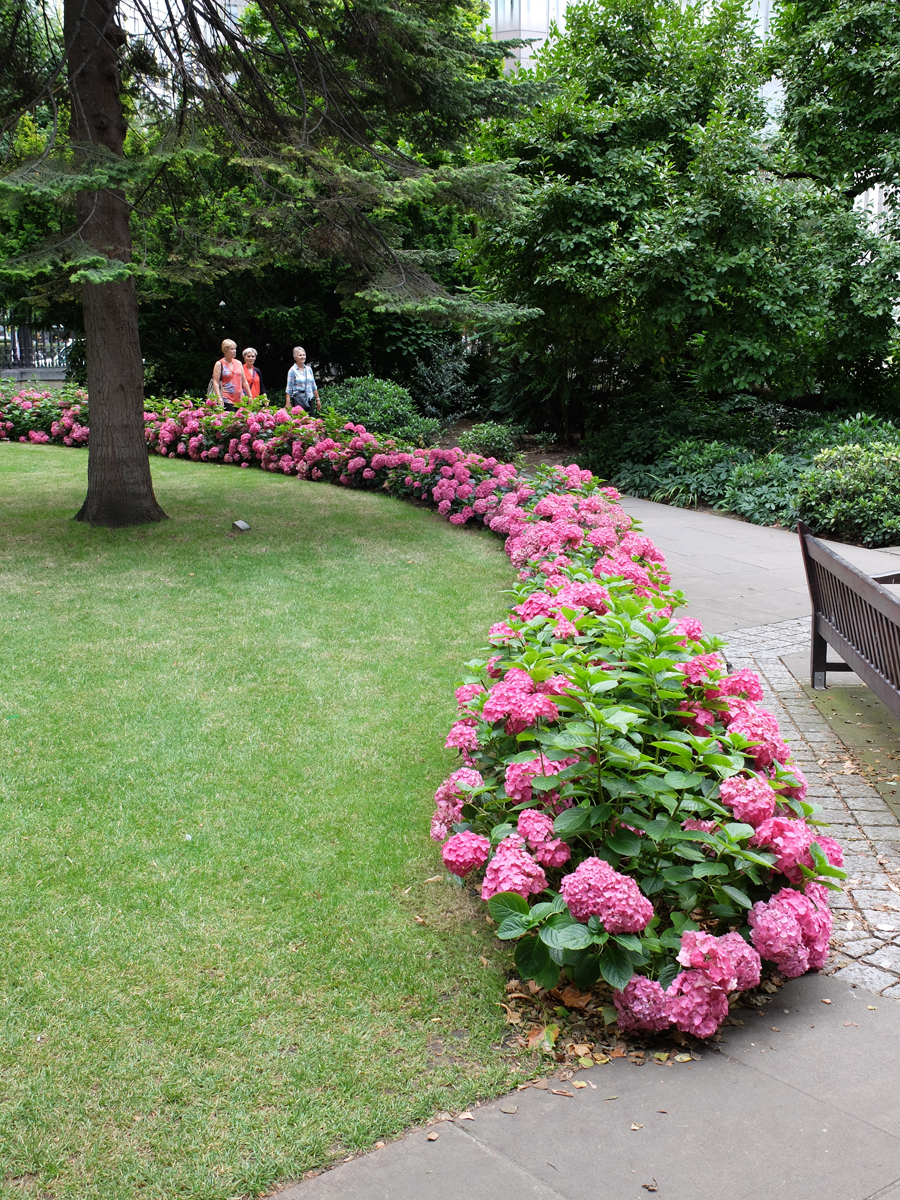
(632, 813)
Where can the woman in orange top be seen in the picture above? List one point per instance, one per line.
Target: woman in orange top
(228, 377)
(252, 376)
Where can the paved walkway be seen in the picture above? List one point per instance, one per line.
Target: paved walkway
(799, 1099)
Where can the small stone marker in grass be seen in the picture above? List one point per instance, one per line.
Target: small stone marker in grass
(240, 527)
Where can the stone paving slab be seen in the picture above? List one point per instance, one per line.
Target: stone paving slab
(797, 1105)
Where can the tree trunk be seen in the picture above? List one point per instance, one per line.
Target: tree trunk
(120, 489)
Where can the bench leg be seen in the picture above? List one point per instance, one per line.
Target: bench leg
(818, 658)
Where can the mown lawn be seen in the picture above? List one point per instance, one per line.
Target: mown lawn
(217, 757)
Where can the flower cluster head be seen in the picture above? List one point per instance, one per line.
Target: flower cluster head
(519, 775)
(595, 889)
(742, 683)
(512, 869)
(761, 729)
(449, 800)
(464, 852)
(752, 799)
(697, 1000)
(793, 929)
(790, 840)
(642, 1004)
(537, 830)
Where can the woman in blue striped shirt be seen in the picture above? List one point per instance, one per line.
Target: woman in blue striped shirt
(301, 383)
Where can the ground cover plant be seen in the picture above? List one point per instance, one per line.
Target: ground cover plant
(216, 761)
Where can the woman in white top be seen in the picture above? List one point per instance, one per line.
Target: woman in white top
(301, 383)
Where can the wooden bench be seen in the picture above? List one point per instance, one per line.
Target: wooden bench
(855, 614)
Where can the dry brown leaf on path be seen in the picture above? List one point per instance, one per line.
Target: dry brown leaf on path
(853, 1023)
(510, 1109)
(561, 1092)
(433, 1136)
(465, 1116)
(577, 1083)
(650, 1187)
(826, 1001)
(633, 1126)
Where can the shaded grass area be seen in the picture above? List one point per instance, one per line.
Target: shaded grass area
(217, 757)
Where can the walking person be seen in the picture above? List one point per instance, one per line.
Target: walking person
(301, 384)
(252, 376)
(228, 379)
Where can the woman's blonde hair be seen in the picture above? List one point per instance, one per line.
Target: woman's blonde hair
(249, 350)
(228, 342)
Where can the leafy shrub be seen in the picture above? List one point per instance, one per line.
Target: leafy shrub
(492, 439)
(765, 485)
(383, 407)
(637, 818)
(27, 414)
(853, 494)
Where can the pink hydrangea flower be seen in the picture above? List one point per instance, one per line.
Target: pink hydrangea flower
(760, 728)
(463, 735)
(751, 800)
(449, 799)
(789, 840)
(512, 869)
(793, 929)
(535, 827)
(468, 692)
(595, 889)
(689, 630)
(553, 853)
(741, 683)
(642, 1004)
(696, 1004)
(728, 961)
(465, 852)
(696, 670)
(518, 776)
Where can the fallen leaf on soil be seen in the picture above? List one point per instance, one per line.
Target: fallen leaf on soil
(465, 1116)
(578, 1084)
(379, 1145)
(419, 920)
(580, 1050)
(633, 1126)
(617, 1053)
(601, 1058)
(573, 998)
(511, 1109)
(512, 1017)
(682, 1058)
(661, 1055)
(584, 1061)
(433, 1136)
(542, 1085)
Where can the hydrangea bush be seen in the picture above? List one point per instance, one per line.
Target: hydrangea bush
(632, 813)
